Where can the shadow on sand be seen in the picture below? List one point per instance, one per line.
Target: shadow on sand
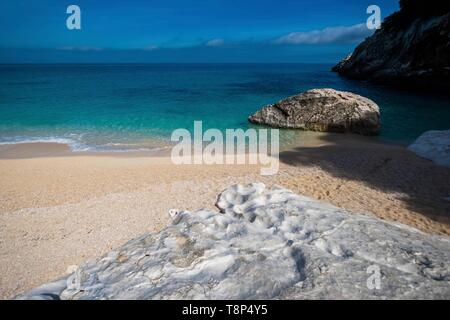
(385, 167)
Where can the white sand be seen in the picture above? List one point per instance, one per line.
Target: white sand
(59, 209)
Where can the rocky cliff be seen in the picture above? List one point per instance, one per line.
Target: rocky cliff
(412, 49)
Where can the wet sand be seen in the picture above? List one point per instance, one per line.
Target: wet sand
(59, 208)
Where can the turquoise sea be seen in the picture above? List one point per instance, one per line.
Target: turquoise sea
(131, 106)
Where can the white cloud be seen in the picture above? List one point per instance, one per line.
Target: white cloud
(215, 43)
(352, 34)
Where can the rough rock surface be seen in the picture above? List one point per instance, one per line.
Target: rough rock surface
(266, 244)
(433, 145)
(412, 49)
(322, 110)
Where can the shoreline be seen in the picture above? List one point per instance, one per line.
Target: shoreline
(38, 149)
(24, 150)
(61, 208)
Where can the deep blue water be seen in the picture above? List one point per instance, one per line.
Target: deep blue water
(134, 106)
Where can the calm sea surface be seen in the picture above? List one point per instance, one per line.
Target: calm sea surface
(122, 107)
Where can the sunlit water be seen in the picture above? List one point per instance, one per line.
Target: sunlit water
(124, 107)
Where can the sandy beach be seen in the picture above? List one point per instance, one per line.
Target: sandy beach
(59, 209)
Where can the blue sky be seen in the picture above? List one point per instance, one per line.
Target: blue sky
(184, 30)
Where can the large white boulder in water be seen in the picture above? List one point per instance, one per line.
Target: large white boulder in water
(322, 110)
(266, 243)
(433, 145)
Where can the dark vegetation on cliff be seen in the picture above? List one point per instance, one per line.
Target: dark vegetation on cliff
(416, 9)
(412, 49)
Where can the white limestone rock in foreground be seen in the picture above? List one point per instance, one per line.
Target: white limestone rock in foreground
(433, 145)
(265, 244)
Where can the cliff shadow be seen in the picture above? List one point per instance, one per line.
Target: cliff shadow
(419, 183)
